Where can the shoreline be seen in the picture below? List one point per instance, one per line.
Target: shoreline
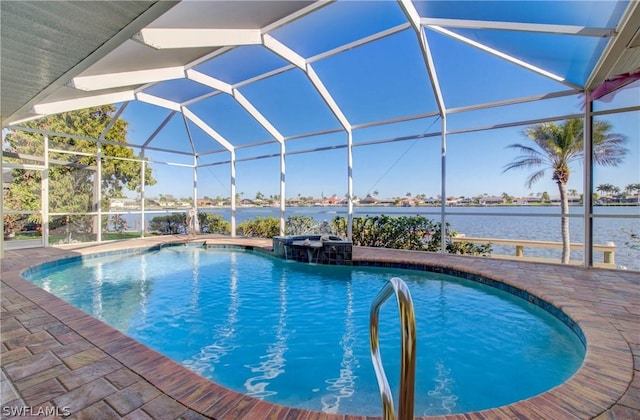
(137, 209)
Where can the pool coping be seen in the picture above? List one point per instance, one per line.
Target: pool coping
(605, 383)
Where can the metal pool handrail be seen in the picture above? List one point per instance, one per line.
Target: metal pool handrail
(408, 361)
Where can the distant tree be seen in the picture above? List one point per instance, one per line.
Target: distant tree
(633, 189)
(555, 147)
(544, 197)
(71, 176)
(605, 189)
(170, 224)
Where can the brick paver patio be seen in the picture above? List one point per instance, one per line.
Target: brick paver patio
(59, 362)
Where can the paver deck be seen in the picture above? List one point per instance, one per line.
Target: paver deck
(59, 362)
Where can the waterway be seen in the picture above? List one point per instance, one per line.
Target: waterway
(541, 223)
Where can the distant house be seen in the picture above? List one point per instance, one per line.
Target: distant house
(408, 202)
(204, 203)
(124, 203)
(572, 199)
(247, 203)
(293, 201)
(369, 200)
(490, 200)
(332, 201)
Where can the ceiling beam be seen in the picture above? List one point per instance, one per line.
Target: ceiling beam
(81, 103)
(239, 97)
(520, 26)
(257, 115)
(128, 78)
(207, 80)
(161, 102)
(299, 61)
(414, 18)
(207, 129)
(284, 51)
(166, 38)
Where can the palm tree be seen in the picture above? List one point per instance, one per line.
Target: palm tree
(631, 188)
(605, 189)
(555, 147)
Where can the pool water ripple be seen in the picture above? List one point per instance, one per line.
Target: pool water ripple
(297, 334)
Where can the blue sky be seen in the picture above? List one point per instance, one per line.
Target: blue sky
(380, 81)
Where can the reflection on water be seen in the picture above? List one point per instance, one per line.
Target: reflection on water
(143, 288)
(343, 386)
(444, 401)
(274, 361)
(204, 363)
(96, 297)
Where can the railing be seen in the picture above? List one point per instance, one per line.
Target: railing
(408, 360)
(608, 259)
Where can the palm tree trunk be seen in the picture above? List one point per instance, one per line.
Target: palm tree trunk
(564, 222)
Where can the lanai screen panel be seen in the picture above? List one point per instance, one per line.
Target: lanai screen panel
(178, 90)
(241, 64)
(339, 24)
(381, 80)
(291, 103)
(231, 120)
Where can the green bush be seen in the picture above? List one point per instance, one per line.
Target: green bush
(404, 232)
(119, 223)
(300, 225)
(169, 224)
(213, 223)
(262, 227)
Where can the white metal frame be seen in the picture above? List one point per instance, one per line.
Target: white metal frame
(161, 38)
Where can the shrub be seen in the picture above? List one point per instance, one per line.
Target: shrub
(263, 227)
(169, 224)
(300, 225)
(119, 223)
(404, 232)
(213, 223)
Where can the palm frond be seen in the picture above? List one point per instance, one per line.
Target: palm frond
(535, 177)
(609, 150)
(522, 162)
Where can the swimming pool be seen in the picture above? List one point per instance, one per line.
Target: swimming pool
(307, 311)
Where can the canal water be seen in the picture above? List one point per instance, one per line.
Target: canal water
(541, 223)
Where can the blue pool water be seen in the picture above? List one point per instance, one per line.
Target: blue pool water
(297, 334)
